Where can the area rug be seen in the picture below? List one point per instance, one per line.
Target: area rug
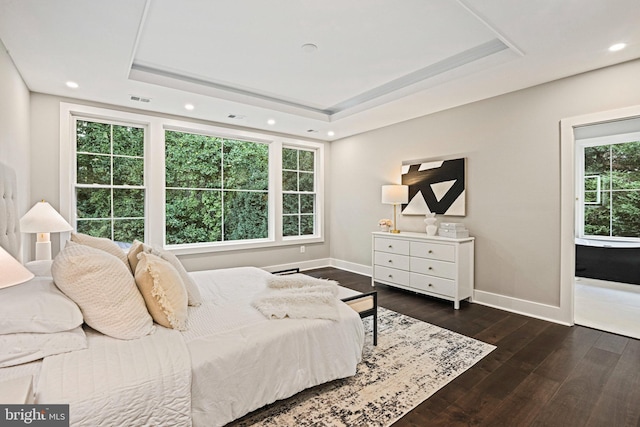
(412, 361)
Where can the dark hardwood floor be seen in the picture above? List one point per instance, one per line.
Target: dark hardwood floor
(541, 374)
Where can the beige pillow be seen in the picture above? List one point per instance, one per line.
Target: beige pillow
(104, 289)
(103, 244)
(132, 255)
(163, 291)
(193, 292)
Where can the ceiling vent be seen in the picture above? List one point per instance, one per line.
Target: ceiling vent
(236, 116)
(139, 98)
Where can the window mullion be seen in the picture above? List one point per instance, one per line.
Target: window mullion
(610, 190)
(112, 183)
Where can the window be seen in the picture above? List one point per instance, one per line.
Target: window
(298, 192)
(109, 187)
(611, 189)
(216, 189)
(193, 187)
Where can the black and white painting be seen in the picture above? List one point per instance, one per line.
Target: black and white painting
(435, 187)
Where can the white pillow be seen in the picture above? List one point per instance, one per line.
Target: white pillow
(132, 255)
(40, 268)
(162, 290)
(16, 349)
(37, 306)
(193, 293)
(103, 244)
(104, 289)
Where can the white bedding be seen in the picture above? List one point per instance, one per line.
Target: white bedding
(230, 361)
(242, 361)
(142, 382)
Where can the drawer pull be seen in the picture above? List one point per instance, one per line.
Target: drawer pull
(390, 260)
(430, 251)
(391, 275)
(430, 268)
(430, 285)
(390, 246)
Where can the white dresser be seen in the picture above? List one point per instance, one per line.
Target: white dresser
(430, 265)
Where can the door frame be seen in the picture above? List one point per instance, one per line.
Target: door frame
(568, 198)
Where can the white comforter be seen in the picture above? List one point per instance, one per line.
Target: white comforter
(230, 361)
(142, 382)
(242, 361)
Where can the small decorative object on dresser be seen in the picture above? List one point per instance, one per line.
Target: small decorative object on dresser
(384, 224)
(432, 265)
(430, 220)
(455, 230)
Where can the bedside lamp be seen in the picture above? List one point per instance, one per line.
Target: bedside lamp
(13, 273)
(395, 195)
(43, 219)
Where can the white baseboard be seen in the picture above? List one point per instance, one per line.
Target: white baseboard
(365, 270)
(537, 310)
(304, 265)
(546, 312)
(323, 262)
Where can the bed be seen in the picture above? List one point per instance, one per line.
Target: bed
(228, 360)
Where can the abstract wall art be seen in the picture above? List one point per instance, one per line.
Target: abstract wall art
(435, 186)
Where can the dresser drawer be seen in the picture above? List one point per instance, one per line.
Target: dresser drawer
(433, 284)
(430, 265)
(386, 259)
(400, 247)
(433, 267)
(387, 274)
(433, 251)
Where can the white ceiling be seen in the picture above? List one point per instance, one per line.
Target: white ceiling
(377, 62)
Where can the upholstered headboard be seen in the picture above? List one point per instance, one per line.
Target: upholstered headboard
(9, 221)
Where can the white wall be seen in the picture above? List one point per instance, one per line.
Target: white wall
(14, 128)
(512, 147)
(45, 183)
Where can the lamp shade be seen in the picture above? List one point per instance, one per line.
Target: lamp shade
(11, 271)
(43, 218)
(395, 194)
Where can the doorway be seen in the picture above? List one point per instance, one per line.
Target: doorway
(594, 301)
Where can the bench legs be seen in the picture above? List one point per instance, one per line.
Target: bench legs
(366, 305)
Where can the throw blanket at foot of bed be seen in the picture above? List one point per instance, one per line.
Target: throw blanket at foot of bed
(298, 296)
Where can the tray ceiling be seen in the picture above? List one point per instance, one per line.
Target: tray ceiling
(344, 66)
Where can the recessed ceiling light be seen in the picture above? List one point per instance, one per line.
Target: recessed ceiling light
(309, 48)
(72, 85)
(616, 47)
(331, 133)
(271, 122)
(189, 106)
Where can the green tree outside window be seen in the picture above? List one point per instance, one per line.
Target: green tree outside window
(298, 192)
(216, 189)
(109, 189)
(615, 212)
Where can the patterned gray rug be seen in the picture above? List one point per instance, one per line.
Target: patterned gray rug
(412, 361)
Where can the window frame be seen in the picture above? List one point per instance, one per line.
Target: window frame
(154, 171)
(581, 144)
(299, 193)
(224, 243)
(111, 186)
